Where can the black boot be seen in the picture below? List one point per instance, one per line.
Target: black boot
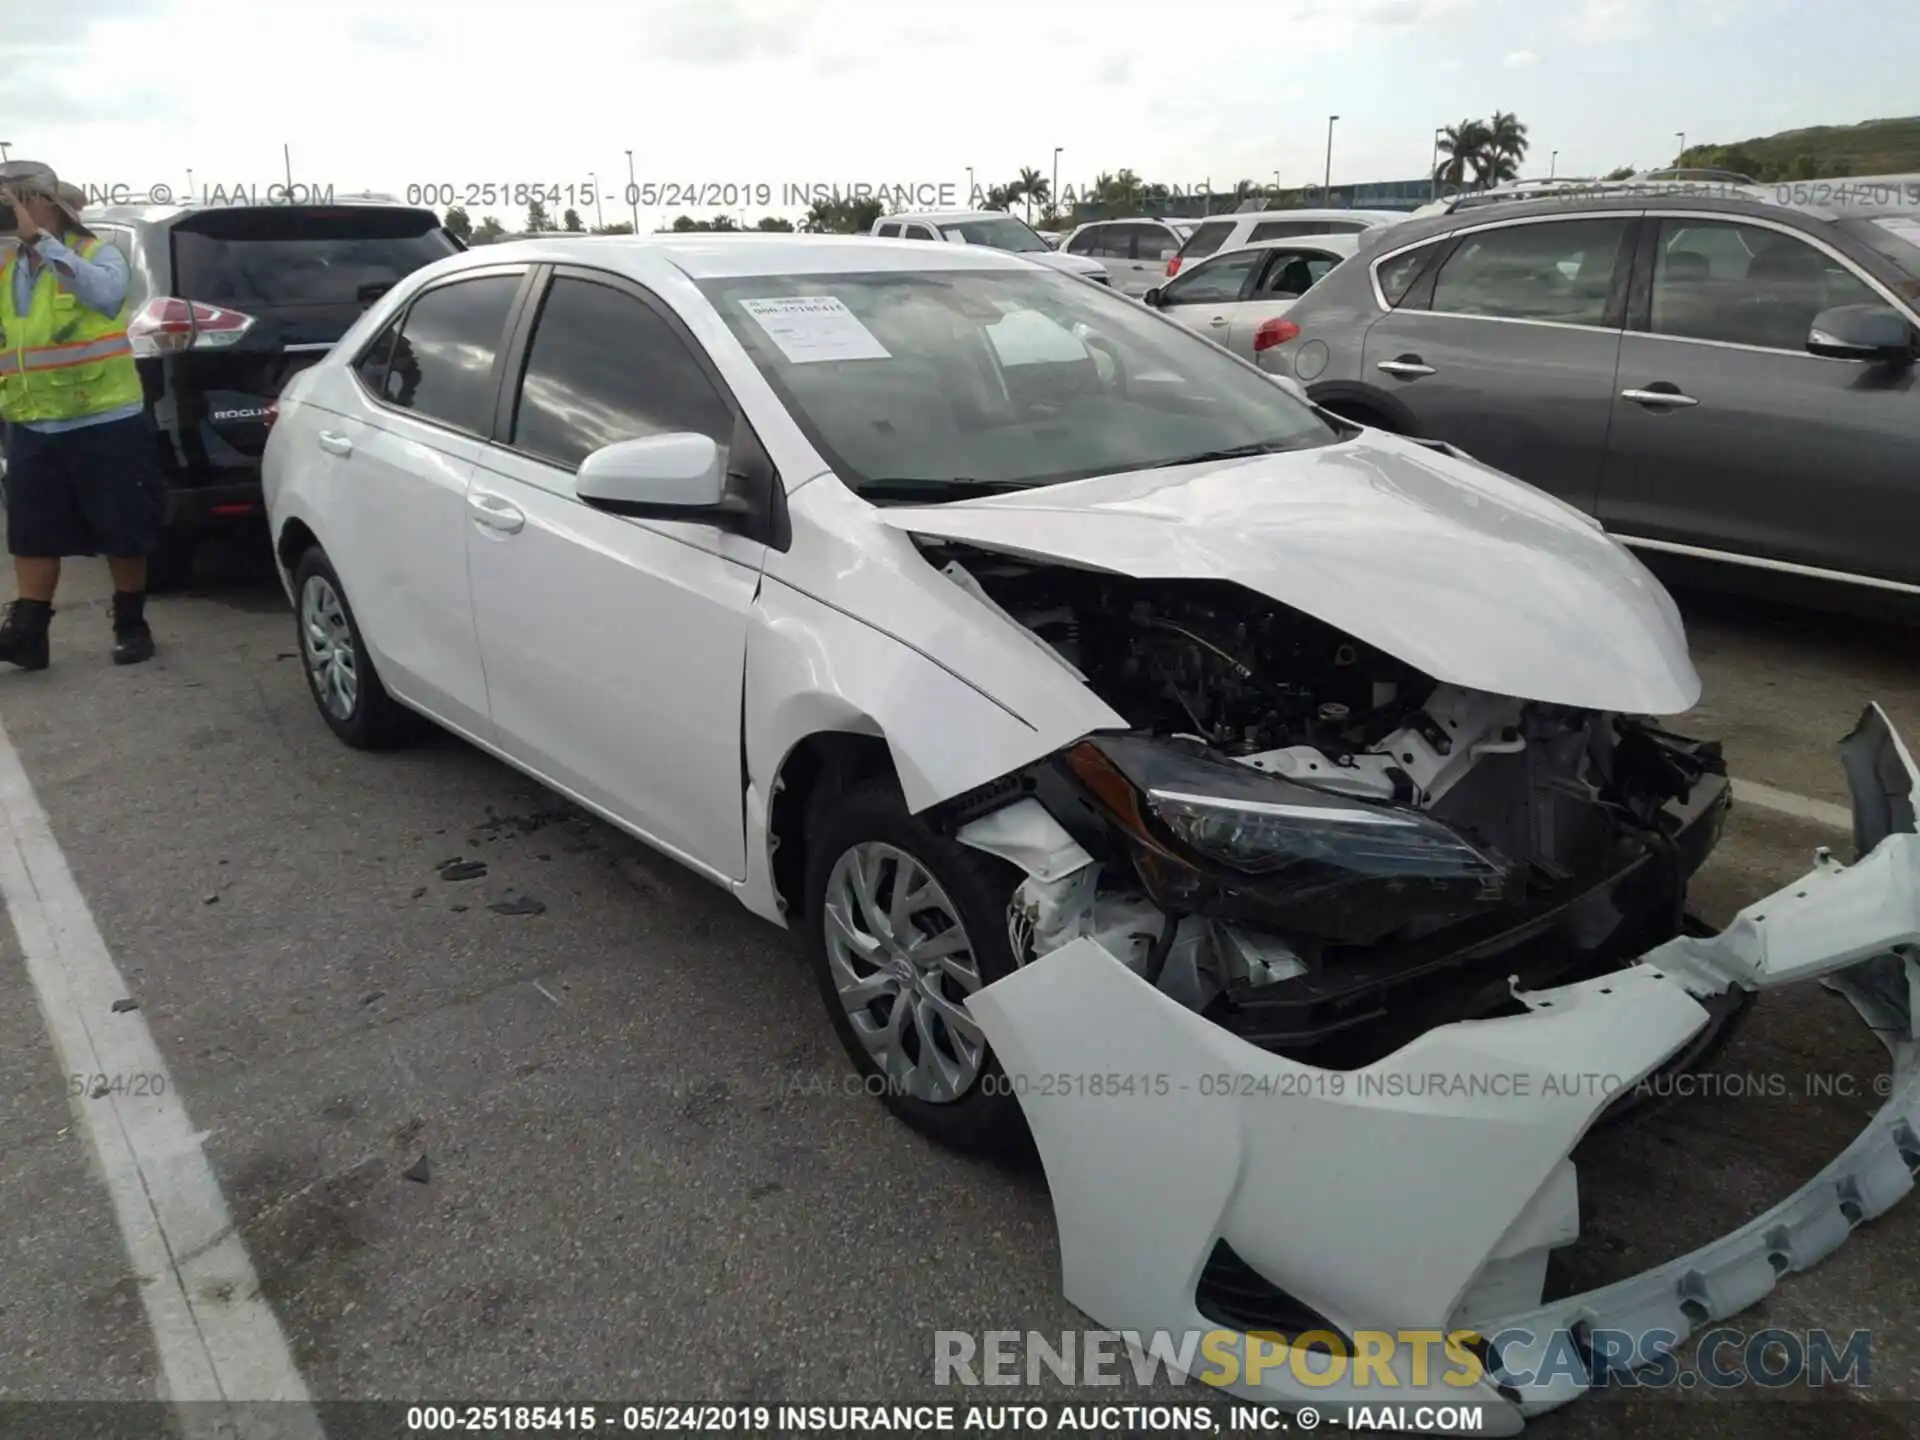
(132, 640)
(23, 634)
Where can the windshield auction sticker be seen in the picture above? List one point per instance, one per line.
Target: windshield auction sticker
(811, 328)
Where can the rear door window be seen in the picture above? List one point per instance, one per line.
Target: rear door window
(313, 272)
(442, 364)
(1154, 243)
(888, 232)
(1206, 239)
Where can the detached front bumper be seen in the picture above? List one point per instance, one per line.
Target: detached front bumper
(1423, 1193)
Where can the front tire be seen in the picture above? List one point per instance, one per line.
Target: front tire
(346, 688)
(905, 924)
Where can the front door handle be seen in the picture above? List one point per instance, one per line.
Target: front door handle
(334, 444)
(1410, 366)
(495, 513)
(1659, 395)
(1218, 322)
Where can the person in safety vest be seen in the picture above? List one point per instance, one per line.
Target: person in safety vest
(83, 472)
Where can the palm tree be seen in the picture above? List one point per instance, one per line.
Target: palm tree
(1001, 197)
(1126, 188)
(1506, 146)
(1034, 186)
(1245, 189)
(1464, 146)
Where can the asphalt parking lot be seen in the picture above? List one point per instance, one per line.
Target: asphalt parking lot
(600, 1147)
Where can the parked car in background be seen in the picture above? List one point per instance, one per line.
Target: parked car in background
(1727, 380)
(1054, 238)
(227, 304)
(1240, 298)
(994, 229)
(1230, 232)
(1134, 252)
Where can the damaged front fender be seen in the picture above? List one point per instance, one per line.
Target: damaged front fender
(1424, 1192)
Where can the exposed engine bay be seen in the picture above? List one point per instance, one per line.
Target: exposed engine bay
(1316, 845)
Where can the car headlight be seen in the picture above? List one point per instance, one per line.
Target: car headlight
(1263, 836)
(1212, 837)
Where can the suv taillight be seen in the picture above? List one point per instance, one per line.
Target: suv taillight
(166, 325)
(1173, 265)
(1274, 332)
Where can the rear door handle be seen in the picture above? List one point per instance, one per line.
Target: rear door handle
(1408, 365)
(1671, 397)
(334, 444)
(496, 513)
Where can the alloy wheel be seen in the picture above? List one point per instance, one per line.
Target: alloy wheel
(332, 658)
(903, 967)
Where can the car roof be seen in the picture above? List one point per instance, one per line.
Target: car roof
(1412, 232)
(148, 214)
(1346, 244)
(715, 255)
(945, 217)
(1385, 217)
(1140, 220)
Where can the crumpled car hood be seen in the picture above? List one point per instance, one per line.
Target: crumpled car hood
(1472, 577)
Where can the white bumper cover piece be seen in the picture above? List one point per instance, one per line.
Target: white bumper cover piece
(1424, 1192)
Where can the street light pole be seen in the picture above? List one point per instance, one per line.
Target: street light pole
(1053, 190)
(1433, 173)
(633, 193)
(4, 145)
(1326, 184)
(1681, 136)
(1553, 165)
(969, 187)
(599, 220)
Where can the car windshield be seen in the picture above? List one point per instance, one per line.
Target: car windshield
(944, 381)
(1003, 232)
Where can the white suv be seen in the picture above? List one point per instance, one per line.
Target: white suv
(994, 229)
(1229, 232)
(1133, 252)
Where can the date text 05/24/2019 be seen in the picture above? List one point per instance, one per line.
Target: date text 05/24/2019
(682, 194)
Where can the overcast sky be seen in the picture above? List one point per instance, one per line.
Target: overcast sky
(793, 92)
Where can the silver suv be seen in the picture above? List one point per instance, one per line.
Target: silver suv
(1728, 380)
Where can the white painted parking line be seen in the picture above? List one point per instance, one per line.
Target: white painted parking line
(1785, 802)
(217, 1338)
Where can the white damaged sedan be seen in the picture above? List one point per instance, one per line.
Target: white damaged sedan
(1161, 768)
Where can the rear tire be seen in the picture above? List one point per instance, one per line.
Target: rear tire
(897, 1000)
(346, 688)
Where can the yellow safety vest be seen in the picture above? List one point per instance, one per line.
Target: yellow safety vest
(61, 360)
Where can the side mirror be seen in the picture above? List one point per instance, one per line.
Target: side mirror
(682, 476)
(1863, 332)
(1153, 298)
